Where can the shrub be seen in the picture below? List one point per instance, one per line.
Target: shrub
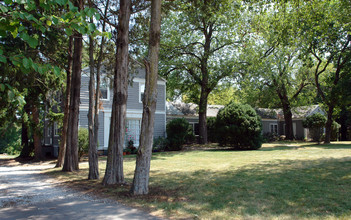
(83, 142)
(335, 131)
(130, 148)
(270, 137)
(315, 123)
(160, 144)
(239, 126)
(178, 133)
(10, 139)
(212, 129)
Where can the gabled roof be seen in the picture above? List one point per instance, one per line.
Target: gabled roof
(267, 113)
(297, 112)
(190, 109)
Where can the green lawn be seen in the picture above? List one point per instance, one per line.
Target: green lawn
(279, 181)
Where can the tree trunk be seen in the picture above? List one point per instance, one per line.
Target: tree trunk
(38, 155)
(140, 184)
(328, 125)
(97, 91)
(203, 116)
(343, 122)
(62, 149)
(93, 154)
(289, 132)
(114, 166)
(26, 149)
(205, 87)
(284, 100)
(71, 158)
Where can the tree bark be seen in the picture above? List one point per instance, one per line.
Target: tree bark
(343, 122)
(62, 148)
(289, 132)
(203, 116)
(114, 166)
(38, 155)
(328, 125)
(140, 184)
(284, 100)
(93, 154)
(205, 87)
(71, 158)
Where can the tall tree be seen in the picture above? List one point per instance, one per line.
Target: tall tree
(114, 167)
(325, 26)
(93, 95)
(283, 73)
(71, 157)
(94, 99)
(140, 184)
(200, 39)
(62, 147)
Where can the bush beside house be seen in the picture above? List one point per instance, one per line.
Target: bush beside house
(239, 126)
(315, 123)
(83, 142)
(212, 129)
(179, 132)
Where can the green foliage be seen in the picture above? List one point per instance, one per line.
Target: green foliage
(185, 60)
(178, 133)
(270, 137)
(83, 142)
(31, 21)
(10, 139)
(160, 144)
(315, 123)
(212, 129)
(222, 95)
(335, 131)
(239, 126)
(130, 148)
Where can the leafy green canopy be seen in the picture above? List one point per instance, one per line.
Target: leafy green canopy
(199, 41)
(315, 121)
(27, 26)
(274, 67)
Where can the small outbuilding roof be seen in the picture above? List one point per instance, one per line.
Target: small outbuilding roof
(190, 109)
(297, 112)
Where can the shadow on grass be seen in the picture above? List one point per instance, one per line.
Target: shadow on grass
(293, 146)
(278, 147)
(288, 188)
(332, 145)
(291, 188)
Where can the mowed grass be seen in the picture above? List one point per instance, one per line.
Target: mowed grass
(279, 181)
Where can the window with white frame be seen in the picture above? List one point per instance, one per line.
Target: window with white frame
(195, 127)
(132, 131)
(104, 89)
(141, 92)
(273, 127)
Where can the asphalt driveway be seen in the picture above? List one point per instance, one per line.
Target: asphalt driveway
(27, 194)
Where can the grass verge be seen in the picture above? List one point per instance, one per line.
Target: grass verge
(279, 181)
